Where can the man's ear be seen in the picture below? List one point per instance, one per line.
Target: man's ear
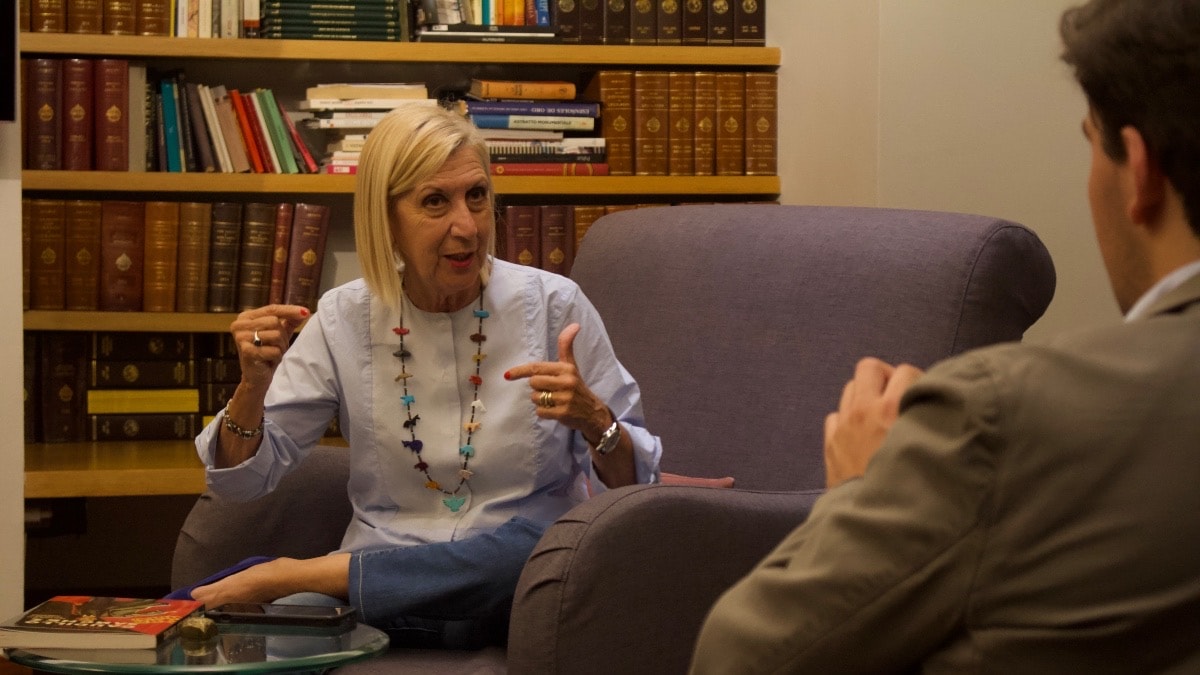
(1148, 181)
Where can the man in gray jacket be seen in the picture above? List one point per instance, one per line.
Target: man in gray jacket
(1026, 508)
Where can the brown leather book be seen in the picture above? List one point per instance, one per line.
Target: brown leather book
(63, 378)
(306, 255)
(762, 115)
(48, 16)
(254, 263)
(523, 237)
(85, 16)
(614, 90)
(650, 108)
(82, 258)
(584, 216)
(120, 17)
(191, 278)
(704, 128)
(143, 426)
(152, 17)
(218, 369)
(284, 216)
(750, 23)
(160, 261)
(695, 23)
(26, 251)
(141, 346)
(566, 20)
(720, 21)
(43, 107)
(558, 238)
(24, 18)
(223, 255)
(731, 122)
(616, 21)
(214, 396)
(31, 385)
(77, 118)
(112, 115)
(681, 114)
(643, 22)
(47, 249)
(122, 248)
(141, 373)
(591, 21)
(670, 22)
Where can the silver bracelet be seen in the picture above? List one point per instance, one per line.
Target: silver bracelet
(239, 431)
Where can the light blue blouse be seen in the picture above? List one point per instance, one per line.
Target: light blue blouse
(343, 363)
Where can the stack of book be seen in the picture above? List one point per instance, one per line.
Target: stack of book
(348, 111)
(537, 128)
(378, 20)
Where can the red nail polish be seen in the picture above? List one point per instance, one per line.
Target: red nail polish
(303, 312)
(507, 375)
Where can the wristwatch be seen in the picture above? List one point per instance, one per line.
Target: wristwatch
(609, 439)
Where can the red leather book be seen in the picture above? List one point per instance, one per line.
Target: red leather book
(112, 115)
(522, 235)
(681, 114)
(306, 255)
(261, 144)
(614, 90)
(558, 238)
(48, 242)
(43, 110)
(152, 17)
(191, 277)
(650, 108)
(48, 16)
(720, 21)
(731, 122)
(85, 16)
(643, 23)
(160, 260)
(77, 118)
(122, 249)
(223, 256)
(704, 128)
(253, 152)
(82, 257)
(762, 115)
(284, 215)
(254, 263)
(120, 17)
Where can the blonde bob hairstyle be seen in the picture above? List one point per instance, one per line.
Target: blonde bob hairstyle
(408, 146)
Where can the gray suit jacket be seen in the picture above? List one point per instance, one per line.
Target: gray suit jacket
(1036, 509)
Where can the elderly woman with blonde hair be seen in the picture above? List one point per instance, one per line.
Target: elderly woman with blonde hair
(481, 400)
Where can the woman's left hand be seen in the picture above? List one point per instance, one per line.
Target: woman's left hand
(559, 393)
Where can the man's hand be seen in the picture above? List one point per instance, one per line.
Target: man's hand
(869, 406)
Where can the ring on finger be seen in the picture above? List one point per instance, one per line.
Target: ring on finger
(257, 340)
(547, 399)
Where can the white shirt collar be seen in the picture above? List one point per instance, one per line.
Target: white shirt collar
(1164, 286)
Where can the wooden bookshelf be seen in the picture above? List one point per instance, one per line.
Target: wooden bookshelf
(112, 469)
(169, 322)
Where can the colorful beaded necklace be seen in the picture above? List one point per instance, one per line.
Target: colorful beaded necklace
(452, 500)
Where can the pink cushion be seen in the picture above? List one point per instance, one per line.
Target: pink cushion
(676, 479)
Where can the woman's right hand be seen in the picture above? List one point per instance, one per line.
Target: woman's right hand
(273, 325)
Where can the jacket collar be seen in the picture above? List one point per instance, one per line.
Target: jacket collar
(1177, 299)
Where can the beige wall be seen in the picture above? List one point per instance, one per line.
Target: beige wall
(942, 104)
(12, 419)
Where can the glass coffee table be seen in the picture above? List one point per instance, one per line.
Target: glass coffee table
(238, 649)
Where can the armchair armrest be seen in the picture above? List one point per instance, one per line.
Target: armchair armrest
(622, 583)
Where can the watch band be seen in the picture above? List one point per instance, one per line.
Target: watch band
(609, 439)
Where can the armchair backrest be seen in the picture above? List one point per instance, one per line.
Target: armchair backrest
(742, 322)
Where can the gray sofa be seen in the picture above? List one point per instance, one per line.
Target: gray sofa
(741, 324)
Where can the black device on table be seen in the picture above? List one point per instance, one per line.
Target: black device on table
(333, 618)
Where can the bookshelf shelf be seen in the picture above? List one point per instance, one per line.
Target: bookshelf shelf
(116, 181)
(169, 322)
(394, 52)
(114, 469)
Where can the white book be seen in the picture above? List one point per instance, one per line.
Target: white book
(231, 18)
(215, 133)
(346, 145)
(276, 165)
(507, 134)
(535, 122)
(204, 17)
(368, 90)
(362, 103)
(341, 123)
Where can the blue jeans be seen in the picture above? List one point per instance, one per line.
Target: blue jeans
(449, 595)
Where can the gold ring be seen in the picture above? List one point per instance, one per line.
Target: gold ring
(547, 399)
(257, 340)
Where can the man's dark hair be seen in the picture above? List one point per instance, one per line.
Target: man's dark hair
(1138, 62)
